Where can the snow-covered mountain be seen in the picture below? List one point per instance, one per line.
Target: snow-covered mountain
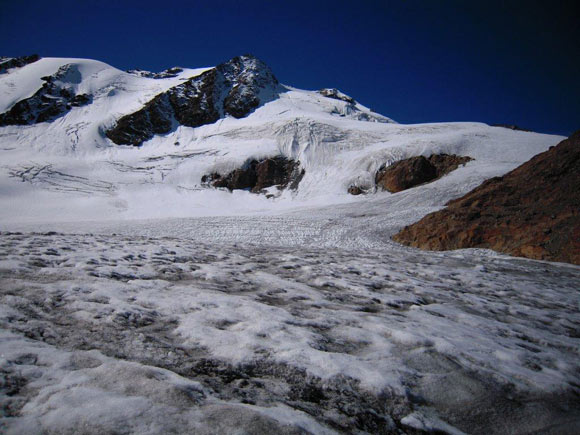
(69, 126)
(180, 253)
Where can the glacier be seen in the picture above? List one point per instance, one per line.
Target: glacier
(134, 299)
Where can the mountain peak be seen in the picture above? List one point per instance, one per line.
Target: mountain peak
(247, 67)
(234, 88)
(143, 108)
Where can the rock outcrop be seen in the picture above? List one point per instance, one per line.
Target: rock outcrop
(55, 98)
(413, 171)
(355, 190)
(446, 163)
(257, 175)
(234, 88)
(337, 95)
(533, 211)
(351, 109)
(165, 74)
(7, 63)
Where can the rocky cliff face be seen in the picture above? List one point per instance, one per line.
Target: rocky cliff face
(7, 63)
(257, 175)
(233, 88)
(413, 171)
(533, 211)
(55, 98)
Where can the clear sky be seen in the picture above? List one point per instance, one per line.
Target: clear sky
(514, 62)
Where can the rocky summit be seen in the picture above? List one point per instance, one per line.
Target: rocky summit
(533, 211)
(233, 88)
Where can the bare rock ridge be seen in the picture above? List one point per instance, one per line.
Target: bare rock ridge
(413, 171)
(7, 63)
(165, 74)
(533, 211)
(234, 88)
(55, 98)
(337, 95)
(257, 175)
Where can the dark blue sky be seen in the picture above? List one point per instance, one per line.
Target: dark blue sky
(515, 62)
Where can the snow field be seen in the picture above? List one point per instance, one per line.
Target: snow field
(294, 329)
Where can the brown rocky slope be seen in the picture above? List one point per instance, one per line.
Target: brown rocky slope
(414, 171)
(533, 211)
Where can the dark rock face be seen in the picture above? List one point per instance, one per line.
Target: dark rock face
(533, 211)
(411, 172)
(80, 100)
(140, 126)
(278, 171)
(16, 62)
(55, 98)
(233, 88)
(194, 102)
(258, 175)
